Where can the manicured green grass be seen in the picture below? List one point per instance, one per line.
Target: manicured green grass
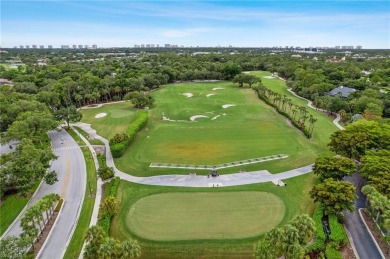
(11, 207)
(248, 130)
(118, 118)
(85, 135)
(76, 243)
(294, 196)
(205, 215)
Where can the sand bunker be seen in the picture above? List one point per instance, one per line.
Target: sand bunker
(269, 77)
(188, 94)
(227, 105)
(218, 88)
(216, 117)
(168, 119)
(246, 72)
(100, 115)
(209, 95)
(193, 118)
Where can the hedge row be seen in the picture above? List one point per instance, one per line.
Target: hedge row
(118, 149)
(338, 237)
(319, 242)
(298, 126)
(105, 222)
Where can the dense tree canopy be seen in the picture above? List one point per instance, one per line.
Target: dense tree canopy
(334, 196)
(335, 167)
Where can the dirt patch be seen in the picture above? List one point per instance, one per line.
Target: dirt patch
(347, 252)
(100, 149)
(376, 233)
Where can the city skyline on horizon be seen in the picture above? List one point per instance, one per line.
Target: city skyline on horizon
(198, 23)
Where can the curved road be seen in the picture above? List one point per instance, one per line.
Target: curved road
(71, 171)
(363, 242)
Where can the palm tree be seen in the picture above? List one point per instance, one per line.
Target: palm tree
(312, 120)
(130, 249)
(95, 237)
(37, 214)
(343, 114)
(305, 226)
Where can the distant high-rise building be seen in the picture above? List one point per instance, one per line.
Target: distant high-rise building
(41, 46)
(27, 46)
(158, 45)
(80, 46)
(148, 45)
(167, 45)
(337, 47)
(74, 46)
(347, 47)
(49, 46)
(21, 47)
(34, 46)
(15, 47)
(142, 45)
(94, 46)
(152, 45)
(136, 46)
(86, 46)
(64, 46)
(359, 47)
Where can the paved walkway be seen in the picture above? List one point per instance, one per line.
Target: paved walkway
(195, 180)
(310, 105)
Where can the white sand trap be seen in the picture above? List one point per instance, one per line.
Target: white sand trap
(168, 119)
(216, 117)
(188, 94)
(227, 105)
(269, 77)
(100, 115)
(193, 118)
(246, 72)
(210, 95)
(218, 88)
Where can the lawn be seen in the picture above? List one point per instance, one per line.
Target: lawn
(118, 117)
(11, 207)
(205, 215)
(249, 129)
(167, 212)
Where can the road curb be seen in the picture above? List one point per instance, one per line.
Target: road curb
(369, 232)
(351, 242)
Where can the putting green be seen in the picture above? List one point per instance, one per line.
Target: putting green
(205, 215)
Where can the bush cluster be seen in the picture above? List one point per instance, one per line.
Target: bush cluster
(118, 149)
(105, 222)
(118, 138)
(337, 239)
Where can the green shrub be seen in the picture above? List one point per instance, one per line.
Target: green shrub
(118, 138)
(319, 242)
(105, 222)
(114, 186)
(59, 204)
(118, 149)
(105, 172)
(332, 253)
(338, 234)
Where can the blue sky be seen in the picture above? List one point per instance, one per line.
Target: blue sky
(196, 23)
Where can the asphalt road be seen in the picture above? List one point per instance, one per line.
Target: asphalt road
(71, 171)
(365, 246)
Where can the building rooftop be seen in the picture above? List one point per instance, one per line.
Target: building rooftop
(342, 91)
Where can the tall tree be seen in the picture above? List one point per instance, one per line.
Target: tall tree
(68, 114)
(334, 196)
(335, 167)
